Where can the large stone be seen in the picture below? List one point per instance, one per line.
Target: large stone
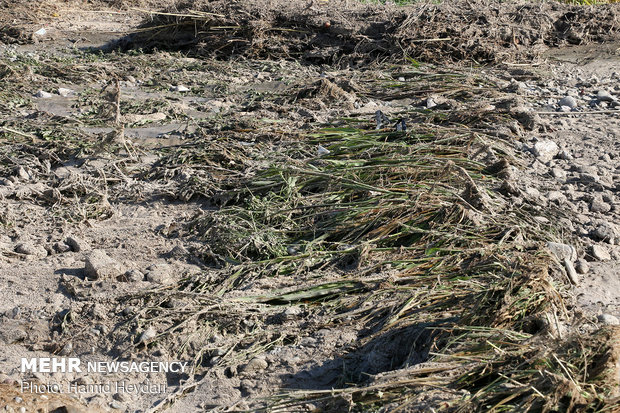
(605, 231)
(568, 101)
(545, 150)
(99, 265)
(600, 253)
(604, 96)
(598, 205)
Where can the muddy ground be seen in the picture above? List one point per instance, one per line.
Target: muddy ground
(139, 220)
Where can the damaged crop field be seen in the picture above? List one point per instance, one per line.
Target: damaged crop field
(312, 206)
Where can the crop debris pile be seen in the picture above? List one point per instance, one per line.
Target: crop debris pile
(351, 32)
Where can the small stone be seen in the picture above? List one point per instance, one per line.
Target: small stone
(255, 365)
(608, 319)
(61, 247)
(556, 196)
(562, 251)
(41, 94)
(148, 334)
(430, 103)
(582, 266)
(532, 193)
(600, 253)
(99, 265)
(18, 399)
(180, 88)
(77, 244)
(566, 155)
(131, 310)
(559, 174)
(28, 248)
(606, 232)
(568, 101)
(64, 92)
(40, 32)
(604, 96)
(133, 276)
(598, 205)
(159, 273)
(589, 177)
(545, 150)
(401, 79)
(116, 405)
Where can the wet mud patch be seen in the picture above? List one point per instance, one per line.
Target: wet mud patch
(350, 32)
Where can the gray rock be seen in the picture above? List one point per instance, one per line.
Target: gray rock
(43, 95)
(134, 276)
(600, 253)
(61, 247)
(606, 232)
(559, 174)
(430, 103)
(532, 193)
(565, 154)
(608, 319)
(582, 266)
(160, 274)
(545, 150)
(568, 101)
(99, 265)
(562, 251)
(604, 96)
(179, 88)
(64, 92)
(589, 177)
(28, 248)
(116, 405)
(255, 365)
(77, 244)
(598, 205)
(556, 196)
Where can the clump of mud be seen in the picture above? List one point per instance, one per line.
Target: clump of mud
(330, 32)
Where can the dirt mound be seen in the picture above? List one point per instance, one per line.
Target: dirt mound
(343, 29)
